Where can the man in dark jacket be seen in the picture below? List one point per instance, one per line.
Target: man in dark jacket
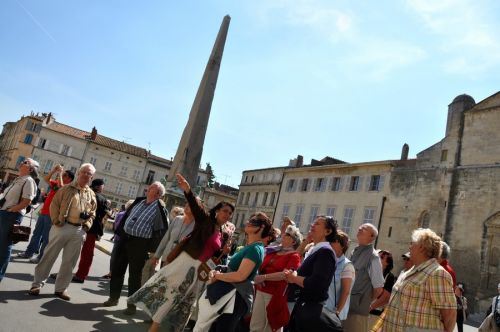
(94, 233)
(141, 230)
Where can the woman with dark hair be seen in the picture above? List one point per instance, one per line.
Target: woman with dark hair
(339, 293)
(170, 294)
(378, 305)
(229, 295)
(270, 310)
(313, 279)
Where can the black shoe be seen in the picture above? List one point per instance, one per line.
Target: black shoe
(130, 310)
(110, 302)
(77, 280)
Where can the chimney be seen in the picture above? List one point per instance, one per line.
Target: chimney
(93, 134)
(404, 152)
(300, 161)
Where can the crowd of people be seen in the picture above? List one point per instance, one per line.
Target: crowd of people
(278, 280)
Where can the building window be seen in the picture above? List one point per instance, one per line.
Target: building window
(41, 143)
(374, 183)
(105, 180)
(271, 200)
(19, 160)
(255, 199)
(240, 200)
(247, 199)
(424, 220)
(444, 155)
(119, 187)
(136, 174)
(31, 126)
(73, 169)
(347, 221)
(304, 185)
(246, 179)
(286, 210)
(290, 185)
(330, 211)
(243, 219)
(369, 215)
(337, 184)
(264, 199)
(65, 150)
(124, 170)
(298, 214)
(151, 177)
(251, 180)
(132, 191)
(107, 167)
(48, 166)
(314, 213)
(354, 184)
(28, 139)
(93, 161)
(320, 184)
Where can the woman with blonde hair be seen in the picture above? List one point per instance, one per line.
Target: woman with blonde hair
(422, 298)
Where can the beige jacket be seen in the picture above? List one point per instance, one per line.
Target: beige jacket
(64, 200)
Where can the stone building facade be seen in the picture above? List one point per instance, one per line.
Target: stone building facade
(454, 188)
(127, 170)
(16, 143)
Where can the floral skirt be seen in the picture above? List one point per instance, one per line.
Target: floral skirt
(171, 293)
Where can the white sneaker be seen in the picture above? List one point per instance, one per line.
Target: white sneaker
(34, 259)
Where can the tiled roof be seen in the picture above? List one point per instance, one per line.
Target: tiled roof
(100, 139)
(64, 129)
(120, 146)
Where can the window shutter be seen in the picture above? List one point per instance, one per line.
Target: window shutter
(69, 151)
(342, 184)
(347, 180)
(381, 183)
(36, 141)
(61, 146)
(295, 184)
(308, 184)
(368, 182)
(323, 185)
(28, 125)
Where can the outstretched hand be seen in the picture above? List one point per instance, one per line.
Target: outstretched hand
(183, 184)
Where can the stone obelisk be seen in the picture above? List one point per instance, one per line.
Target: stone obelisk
(188, 156)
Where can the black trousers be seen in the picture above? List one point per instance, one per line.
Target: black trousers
(229, 322)
(131, 252)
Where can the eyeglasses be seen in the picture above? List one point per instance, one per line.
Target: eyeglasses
(26, 162)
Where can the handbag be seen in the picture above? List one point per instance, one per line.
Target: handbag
(20, 233)
(314, 316)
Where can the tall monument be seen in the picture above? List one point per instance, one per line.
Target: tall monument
(188, 156)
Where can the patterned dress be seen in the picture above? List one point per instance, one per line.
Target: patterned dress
(171, 293)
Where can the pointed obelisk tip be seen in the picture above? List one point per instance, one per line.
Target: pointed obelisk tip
(227, 17)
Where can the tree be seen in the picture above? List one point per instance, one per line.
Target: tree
(210, 176)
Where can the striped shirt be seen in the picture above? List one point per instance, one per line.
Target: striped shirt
(417, 298)
(140, 221)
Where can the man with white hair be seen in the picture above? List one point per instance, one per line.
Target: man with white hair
(13, 204)
(72, 212)
(141, 230)
(369, 281)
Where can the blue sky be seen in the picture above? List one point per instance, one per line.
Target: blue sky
(354, 80)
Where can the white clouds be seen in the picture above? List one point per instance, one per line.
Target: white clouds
(466, 30)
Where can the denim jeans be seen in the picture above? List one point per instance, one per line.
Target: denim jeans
(7, 219)
(40, 236)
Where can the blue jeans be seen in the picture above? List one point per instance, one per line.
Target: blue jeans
(40, 236)
(7, 219)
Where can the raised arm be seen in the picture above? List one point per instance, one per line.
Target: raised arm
(196, 209)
